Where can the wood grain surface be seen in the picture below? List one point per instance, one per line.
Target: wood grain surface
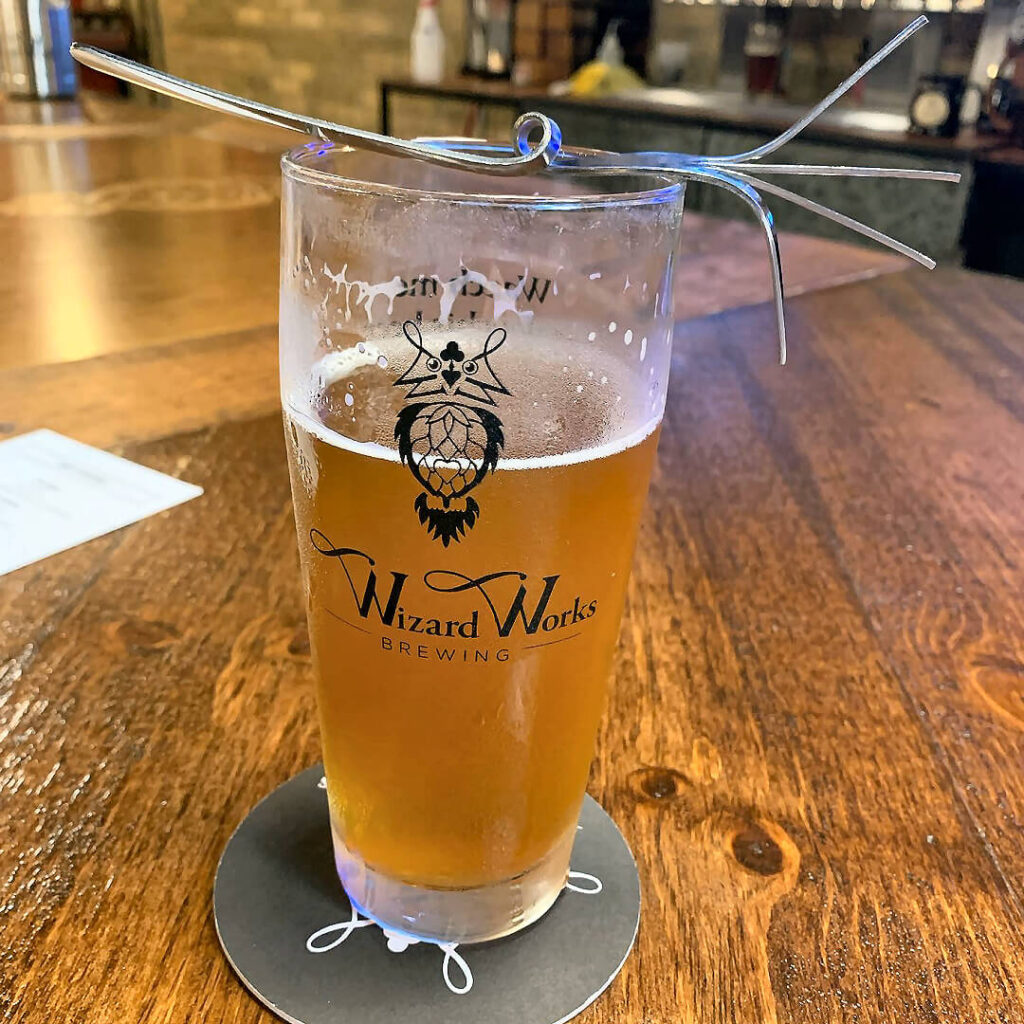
(815, 734)
(146, 393)
(129, 242)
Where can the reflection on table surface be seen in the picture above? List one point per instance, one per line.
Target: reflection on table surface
(136, 226)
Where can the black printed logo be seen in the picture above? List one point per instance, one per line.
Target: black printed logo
(450, 442)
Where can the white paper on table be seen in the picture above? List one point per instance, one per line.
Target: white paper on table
(56, 493)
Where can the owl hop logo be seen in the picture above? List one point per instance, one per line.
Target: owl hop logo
(449, 441)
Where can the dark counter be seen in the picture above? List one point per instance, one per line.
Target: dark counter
(707, 110)
(931, 217)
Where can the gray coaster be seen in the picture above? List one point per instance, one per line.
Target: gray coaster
(292, 936)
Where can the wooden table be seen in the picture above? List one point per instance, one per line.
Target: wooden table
(815, 737)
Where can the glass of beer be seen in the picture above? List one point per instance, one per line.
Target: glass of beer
(473, 374)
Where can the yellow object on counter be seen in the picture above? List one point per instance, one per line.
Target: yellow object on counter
(600, 79)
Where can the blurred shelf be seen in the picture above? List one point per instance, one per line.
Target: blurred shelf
(712, 109)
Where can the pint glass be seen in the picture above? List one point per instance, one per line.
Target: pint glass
(473, 374)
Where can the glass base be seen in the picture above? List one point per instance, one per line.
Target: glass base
(478, 914)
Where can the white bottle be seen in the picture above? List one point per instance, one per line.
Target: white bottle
(610, 50)
(427, 63)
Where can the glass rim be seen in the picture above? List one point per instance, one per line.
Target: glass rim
(295, 165)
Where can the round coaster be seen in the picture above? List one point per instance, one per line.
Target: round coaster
(298, 945)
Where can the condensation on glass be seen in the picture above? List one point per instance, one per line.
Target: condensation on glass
(473, 375)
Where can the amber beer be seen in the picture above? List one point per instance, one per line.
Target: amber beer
(460, 686)
(473, 370)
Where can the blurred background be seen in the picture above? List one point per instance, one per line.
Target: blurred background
(701, 76)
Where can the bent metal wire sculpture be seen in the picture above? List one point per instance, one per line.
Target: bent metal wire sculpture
(735, 173)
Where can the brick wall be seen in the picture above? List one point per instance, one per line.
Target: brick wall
(702, 28)
(320, 57)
